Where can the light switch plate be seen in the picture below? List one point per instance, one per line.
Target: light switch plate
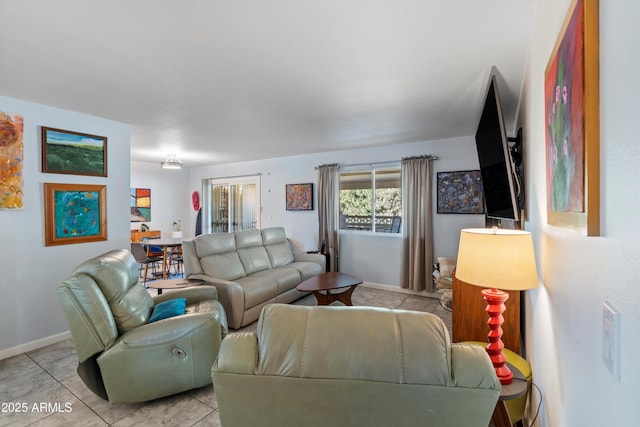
(611, 339)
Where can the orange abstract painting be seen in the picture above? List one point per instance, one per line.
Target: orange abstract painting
(11, 158)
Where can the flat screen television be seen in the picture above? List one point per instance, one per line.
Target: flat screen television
(496, 166)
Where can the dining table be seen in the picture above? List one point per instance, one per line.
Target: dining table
(165, 244)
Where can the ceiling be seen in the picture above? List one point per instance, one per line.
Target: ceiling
(224, 81)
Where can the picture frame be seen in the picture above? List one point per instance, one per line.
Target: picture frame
(299, 197)
(74, 153)
(74, 213)
(572, 122)
(140, 202)
(460, 192)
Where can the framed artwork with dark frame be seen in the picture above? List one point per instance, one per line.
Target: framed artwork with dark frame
(299, 197)
(74, 213)
(460, 192)
(572, 122)
(73, 153)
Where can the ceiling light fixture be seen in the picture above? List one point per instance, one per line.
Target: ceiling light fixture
(171, 162)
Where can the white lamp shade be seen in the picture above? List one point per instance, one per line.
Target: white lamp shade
(497, 258)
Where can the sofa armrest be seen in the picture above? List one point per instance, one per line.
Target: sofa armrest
(238, 354)
(193, 294)
(471, 367)
(305, 257)
(230, 295)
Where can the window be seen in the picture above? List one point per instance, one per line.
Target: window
(370, 200)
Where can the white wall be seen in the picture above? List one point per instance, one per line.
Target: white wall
(29, 271)
(373, 258)
(563, 316)
(170, 197)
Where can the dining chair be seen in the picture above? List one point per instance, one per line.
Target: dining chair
(151, 250)
(176, 262)
(144, 260)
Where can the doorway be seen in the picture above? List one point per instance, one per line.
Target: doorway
(231, 204)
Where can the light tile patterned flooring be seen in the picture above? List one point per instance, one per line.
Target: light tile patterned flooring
(47, 378)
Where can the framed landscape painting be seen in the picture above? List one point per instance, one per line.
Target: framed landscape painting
(299, 197)
(74, 213)
(74, 153)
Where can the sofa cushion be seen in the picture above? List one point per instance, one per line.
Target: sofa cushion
(277, 246)
(257, 290)
(279, 254)
(306, 269)
(254, 259)
(226, 266)
(217, 243)
(248, 238)
(286, 278)
(252, 254)
(273, 235)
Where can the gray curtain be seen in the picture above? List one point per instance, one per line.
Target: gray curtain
(328, 211)
(417, 224)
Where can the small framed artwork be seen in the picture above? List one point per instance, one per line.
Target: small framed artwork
(572, 122)
(74, 213)
(140, 204)
(460, 192)
(73, 153)
(299, 197)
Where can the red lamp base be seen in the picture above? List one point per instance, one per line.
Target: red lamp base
(495, 307)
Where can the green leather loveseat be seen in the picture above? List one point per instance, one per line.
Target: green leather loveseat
(351, 366)
(124, 358)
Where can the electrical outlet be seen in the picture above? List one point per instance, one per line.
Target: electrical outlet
(611, 339)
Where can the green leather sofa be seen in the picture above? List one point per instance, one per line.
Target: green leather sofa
(122, 357)
(351, 366)
(250, 269)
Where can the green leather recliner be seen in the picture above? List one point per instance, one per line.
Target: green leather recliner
(352, 366)
(122, 357)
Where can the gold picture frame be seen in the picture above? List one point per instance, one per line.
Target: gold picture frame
(572, 122)
(74, 213)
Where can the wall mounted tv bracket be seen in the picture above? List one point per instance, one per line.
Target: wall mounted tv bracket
(515, 151)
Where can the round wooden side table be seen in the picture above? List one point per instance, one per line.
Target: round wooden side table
(172, 284)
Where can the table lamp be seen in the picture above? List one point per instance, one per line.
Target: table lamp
(501, 260)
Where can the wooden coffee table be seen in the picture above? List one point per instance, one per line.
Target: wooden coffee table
(323, 284)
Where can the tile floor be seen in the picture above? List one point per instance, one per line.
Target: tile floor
(43, 384)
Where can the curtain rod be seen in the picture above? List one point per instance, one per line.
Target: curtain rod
(236, 176)
(426, 156)
(390, 162)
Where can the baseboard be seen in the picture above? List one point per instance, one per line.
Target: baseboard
(399, 289)
(34, 345)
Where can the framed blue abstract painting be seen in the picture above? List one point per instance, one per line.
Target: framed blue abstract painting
(75, 213)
